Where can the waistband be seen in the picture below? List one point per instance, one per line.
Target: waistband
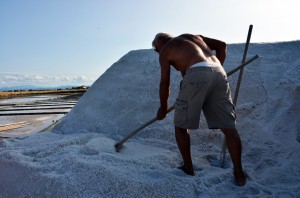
(204, 68)
(206, 64)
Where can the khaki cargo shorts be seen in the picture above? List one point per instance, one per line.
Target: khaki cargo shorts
(207, 89)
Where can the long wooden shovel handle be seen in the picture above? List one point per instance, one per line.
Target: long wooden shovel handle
(129, 135)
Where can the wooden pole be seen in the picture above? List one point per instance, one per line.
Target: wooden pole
(236, 93)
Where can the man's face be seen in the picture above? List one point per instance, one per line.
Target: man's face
(157, 47)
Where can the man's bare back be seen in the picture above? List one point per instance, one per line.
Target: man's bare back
(185, 50)
(182, 52)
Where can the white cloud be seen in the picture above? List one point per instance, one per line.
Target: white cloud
(16, 79)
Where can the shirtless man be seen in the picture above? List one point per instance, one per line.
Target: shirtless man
(204, 87)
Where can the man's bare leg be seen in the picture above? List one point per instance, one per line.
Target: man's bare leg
(184, 145)
(234, 146)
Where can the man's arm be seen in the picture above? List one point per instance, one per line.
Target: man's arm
(218, 46)
(164, 88)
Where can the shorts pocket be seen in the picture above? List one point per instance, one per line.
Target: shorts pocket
(180, 117)
(181, 105)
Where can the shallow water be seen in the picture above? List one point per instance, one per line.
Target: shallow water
(38, 122)
(18, 100)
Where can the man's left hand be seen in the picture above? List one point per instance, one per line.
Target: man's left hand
(161, 113)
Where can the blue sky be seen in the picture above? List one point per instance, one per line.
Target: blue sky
(62, 42)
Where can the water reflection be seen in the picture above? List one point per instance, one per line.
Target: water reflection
(27, 99)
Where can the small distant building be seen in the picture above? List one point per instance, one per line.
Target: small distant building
(83, 87)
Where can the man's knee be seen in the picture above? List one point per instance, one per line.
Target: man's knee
(229, 132)
(180, 130)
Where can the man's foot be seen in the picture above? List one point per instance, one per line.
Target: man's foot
(187, 171)
(240, 178)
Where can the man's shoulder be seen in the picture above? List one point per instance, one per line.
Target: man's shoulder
(188, 36)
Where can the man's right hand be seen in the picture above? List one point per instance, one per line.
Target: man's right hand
(161, 113)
